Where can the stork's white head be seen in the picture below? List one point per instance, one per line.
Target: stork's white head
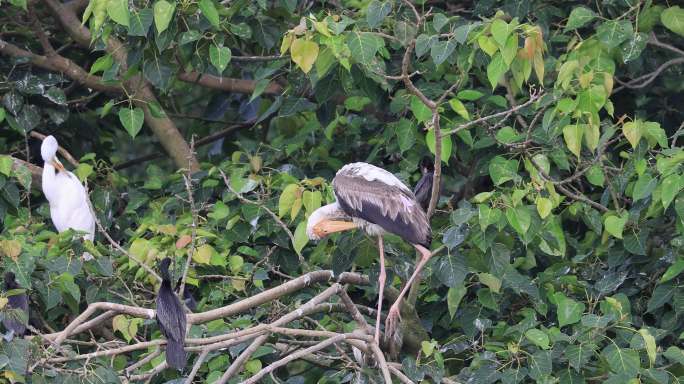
(326, 220)
(48, 150)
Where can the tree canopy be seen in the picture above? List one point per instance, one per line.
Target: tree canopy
(207, 131)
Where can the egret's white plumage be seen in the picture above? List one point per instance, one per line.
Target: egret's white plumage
(66, 195)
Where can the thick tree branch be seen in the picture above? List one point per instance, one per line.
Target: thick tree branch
(227, 84)
(163, 127)
(57, 63)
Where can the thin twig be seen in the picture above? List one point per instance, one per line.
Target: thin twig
(196, 366)
(187, 178)
(67, 156)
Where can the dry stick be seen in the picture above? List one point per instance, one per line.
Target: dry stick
(156, 370)
(108, 352)
(85, 326)
(187, 178)
(196, 366)
(92, 308)
(142, 362)
(400, 375)
(65, 154)
(265, 208)
(382, 363)
(237, 364)
(303, 352)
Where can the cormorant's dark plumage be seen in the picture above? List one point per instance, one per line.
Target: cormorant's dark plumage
(171, 319)
(15, 302)
(423, 189)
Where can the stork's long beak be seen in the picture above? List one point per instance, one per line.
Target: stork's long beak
(57, 164)
(326, 227)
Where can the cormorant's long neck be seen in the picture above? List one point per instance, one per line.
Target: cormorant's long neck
(49, 181)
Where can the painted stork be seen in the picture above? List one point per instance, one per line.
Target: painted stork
(171, 319)
(69, 207)
(18, 301)
(374, 200)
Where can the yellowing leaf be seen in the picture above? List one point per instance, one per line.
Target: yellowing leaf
(632, 131)
(287, 42)
(650, 343)
(573, 138)
(287, 198)
(459, 108)
(493, 282)
(304, 54)
(203, 254)
(10, 248)
(544, 206)
(300, 237)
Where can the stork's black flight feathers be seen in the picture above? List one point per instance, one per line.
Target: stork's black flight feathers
(171, 319)
(12, 321)
(423, 189)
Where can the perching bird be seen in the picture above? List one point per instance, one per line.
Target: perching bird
(423, 189)
(15, 302)
(66, 195)
(171, 319)
(376, 201)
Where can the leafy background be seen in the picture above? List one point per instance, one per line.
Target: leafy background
(557, 124)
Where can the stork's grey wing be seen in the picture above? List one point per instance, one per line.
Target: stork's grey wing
(392, 207)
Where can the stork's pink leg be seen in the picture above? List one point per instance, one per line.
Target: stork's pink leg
(381, 288)
(394, 314)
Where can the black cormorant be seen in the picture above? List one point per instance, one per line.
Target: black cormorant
(423, 189)
(12, 321)
(171, 319)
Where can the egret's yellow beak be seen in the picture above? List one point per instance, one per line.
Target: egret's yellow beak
(57, 164)
(326, 227)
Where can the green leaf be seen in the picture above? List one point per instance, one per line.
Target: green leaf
(163, 13)
(132, 120)
(376, 12)
(495, 70)
(671, 186)
(236, 262)
(83, 171)
(102, 64)
(493, 282)
(287, 198)
(673, 19)
(2, 114)
(118, 11)
(220, 57)
(454, 297)
(569, 310)
(500, 31)
(632, 131)
(19, 4)
(441, 50)
(613, 32)
(446, 144)
(624, 361)
(643, 187)
(219, 212)
(538, 338)
(673, 271)
(406, 134)
(661, 295)
(459, 108)
(304, 54)
(544, 206)
(508, 135)
(311, 200)
(420, 110)
(519, 218)
(482, 197)
(469, 95)
(300, 237)
(127, 326)
(572, 134)
(615, 225)
(6, 165)
(141, 22)
(579, 17)
(674, 354)
(356, 103)
(650, 344)
(427, 347)
(502, 170)
(363, 46)
(209, 11)
(595, 175)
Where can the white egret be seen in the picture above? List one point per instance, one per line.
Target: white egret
(69, 206)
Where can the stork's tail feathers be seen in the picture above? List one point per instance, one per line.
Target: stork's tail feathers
(175, 355)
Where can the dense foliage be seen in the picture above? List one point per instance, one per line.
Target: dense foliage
(212, 129)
